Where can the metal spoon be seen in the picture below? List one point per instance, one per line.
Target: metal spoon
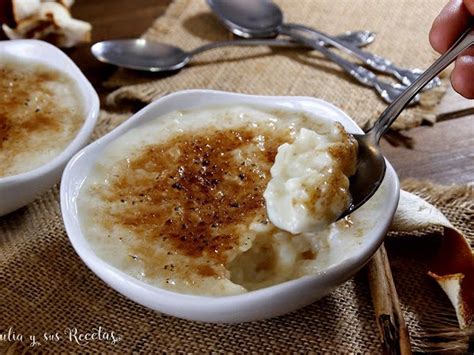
(264, 19)
(257, 19)
(141, 54)
(371, 163)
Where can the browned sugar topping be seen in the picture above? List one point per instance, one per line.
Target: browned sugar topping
(27, 108)
(4, 128)
(191, 194)
(15, 90)
(344, 154)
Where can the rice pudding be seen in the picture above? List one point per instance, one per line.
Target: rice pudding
(309, 188)
(40, 114)
(179, 202)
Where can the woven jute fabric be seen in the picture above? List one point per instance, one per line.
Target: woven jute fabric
(402, 35)
(47, 290)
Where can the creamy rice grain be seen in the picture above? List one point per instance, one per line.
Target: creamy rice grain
(309, 188)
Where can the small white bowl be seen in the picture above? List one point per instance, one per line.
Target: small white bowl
(255, 305)
(19, 190)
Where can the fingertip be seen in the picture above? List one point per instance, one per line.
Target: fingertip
(436, 38)
(462, 77)
(448, 25)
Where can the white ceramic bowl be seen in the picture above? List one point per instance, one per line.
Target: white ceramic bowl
(19, 190)
(254, 305)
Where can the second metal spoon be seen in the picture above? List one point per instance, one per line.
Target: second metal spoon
(141, 54)
(264, 19)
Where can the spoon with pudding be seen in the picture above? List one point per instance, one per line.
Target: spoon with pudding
(370, 161)
(152, 56)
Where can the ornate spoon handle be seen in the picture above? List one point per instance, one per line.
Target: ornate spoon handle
(405, 76)
(364, 76)
(391, 113)
(355, 38)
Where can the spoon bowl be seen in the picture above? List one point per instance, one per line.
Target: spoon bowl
(371, 169)
(249, 19)
(140, 54)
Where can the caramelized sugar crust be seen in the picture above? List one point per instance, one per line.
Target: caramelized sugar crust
(193, 195)
(29, 108)
(344, 154)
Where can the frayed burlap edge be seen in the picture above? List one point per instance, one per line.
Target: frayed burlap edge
(440, 194)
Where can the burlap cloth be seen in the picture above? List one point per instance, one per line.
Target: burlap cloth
(402, 35)
(45, 288)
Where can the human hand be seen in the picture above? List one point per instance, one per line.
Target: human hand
(453, 20)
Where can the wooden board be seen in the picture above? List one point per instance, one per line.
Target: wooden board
(444, 152)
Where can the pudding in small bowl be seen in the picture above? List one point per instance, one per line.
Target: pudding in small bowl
(47, 112)
(218, 207)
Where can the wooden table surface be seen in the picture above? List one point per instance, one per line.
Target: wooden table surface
(442, 153)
